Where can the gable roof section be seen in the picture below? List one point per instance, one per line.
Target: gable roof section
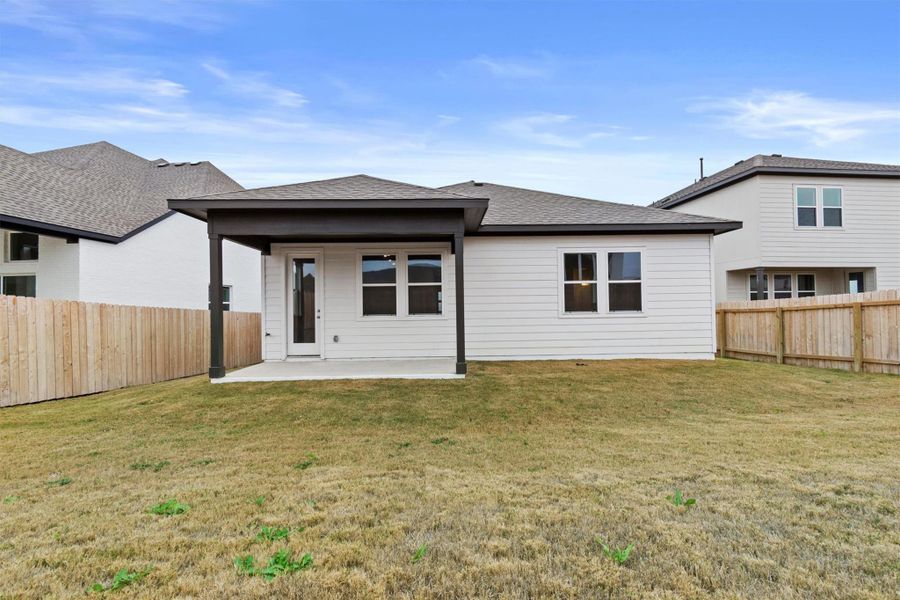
(775, 164)
(513, 209)
(353, 187)
(97, 191)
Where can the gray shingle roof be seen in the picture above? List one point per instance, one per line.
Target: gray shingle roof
(519, 206)
(98, 188)
(353, 187)
(773, 163)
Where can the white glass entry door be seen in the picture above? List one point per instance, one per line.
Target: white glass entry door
(304, 305)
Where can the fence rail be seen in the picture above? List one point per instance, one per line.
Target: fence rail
(859, 332)
(61, 348)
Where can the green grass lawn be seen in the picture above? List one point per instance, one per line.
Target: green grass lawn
(502, 485)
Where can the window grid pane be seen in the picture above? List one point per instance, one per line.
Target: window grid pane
(806, 197)
(580, 266)
(832, 217)
(806, 217)
(624, 266)
(580, 297)
(423, 268)
(425, 300)
(379, 269)
(625, 297)
(831, 197)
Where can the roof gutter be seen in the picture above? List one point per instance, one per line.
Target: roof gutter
(715, 228)
(775, 171)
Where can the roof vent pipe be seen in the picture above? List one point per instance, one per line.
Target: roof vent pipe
(701, 167)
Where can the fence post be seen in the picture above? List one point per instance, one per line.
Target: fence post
(720, 330)
(857, 338)
(779, 335)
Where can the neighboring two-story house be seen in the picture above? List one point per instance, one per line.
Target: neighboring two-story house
(811, 227)
(91, 223)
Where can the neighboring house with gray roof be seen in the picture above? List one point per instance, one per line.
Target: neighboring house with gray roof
(91, 223)
(365, 268)
(811, 227)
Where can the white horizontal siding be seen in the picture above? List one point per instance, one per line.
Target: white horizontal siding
(870, 236)
(512, 303)
(512, 300)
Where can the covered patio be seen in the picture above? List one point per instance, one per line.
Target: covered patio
(294, 227)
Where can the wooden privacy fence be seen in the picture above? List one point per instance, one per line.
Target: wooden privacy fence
(60, 348)
(859, 332)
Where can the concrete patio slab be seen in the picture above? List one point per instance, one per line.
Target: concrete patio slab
(313, 370)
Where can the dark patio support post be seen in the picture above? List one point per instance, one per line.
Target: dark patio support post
(760, 283)
(216, 318)
(460, 305)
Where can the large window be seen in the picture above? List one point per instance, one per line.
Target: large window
(580, 282)
(425, 293)
(806, 285)
(379, 284)
(781, 287)
(832, 207)
(22, 246)
(624, 281)
(18, 285)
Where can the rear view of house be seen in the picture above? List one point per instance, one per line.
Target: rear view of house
(91, 223)
(811, 227)
(365, 268)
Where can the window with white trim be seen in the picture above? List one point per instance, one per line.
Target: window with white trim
(226, 297)
(806, 285)
(580, 282)
(21, 246)
(379, 284)
(806, 207)
(18, 285)
(424, 281)
(832, 207)
(818, 207)
(624, 281)
(753, 292)
(781, 285)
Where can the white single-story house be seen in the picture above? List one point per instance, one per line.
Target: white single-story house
(811, 227)
(91, 223)
(364, 268)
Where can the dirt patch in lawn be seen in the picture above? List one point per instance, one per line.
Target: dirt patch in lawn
(505, 485)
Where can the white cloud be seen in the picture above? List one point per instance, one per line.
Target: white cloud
(253, 85)
(447, 120)
(788, 114)
(119, 81)
(549, 129)
(513, 68)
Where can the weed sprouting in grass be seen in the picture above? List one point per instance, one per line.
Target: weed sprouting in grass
(271, 534)
(442, 440)
(10, 499)
(311, 503)
(121, 579)
(280, 563)
(678, 499)
(419, 554)
(144, 466)
(60, 482)
(204, 461)
(307, 463)
(618, 555)
(402, 445)
(259, 500)
(169, 508)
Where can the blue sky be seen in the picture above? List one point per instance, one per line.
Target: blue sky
(604, 99)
